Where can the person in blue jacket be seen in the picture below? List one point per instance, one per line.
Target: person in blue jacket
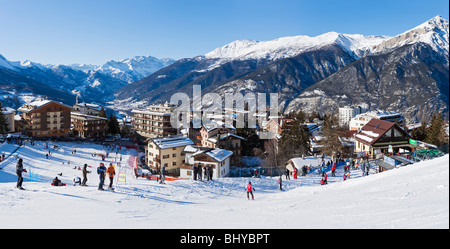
(101, 170)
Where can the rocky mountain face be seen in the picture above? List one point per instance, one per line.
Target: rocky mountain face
(15, 89)
(287, 65)
(434, 32)
(291, 76)
(412, 80)
(407, 73)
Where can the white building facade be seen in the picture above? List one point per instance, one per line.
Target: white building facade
(346, 113)
(361, 120)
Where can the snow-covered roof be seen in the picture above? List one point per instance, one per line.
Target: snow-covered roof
(87, 116)
(218, 155)
(7, 110)
(215, 125)
(190, 149)
(375, 129)
(33, 105)
(152, 112)
(309, 160)
(216, 138)
(364, 137)
(37, 104)
(171, 142)
(91, 106)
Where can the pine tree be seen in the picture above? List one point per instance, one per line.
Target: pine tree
(435, 133)
(420, 132)
(113, 125)
(330, 136)
(294, 140)
(4, 127)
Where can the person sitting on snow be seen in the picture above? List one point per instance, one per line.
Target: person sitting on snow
(57, 182)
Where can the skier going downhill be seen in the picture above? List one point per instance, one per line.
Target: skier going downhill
(250, 190)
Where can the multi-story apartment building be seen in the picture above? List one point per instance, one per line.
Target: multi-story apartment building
(346, 113)
(154, 121)
(46, 118)
(219, 135)
(88, 126)
(86, 122)
(168, 152)
(86, 108)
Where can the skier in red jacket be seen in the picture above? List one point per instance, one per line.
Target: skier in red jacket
(250, 190)
(333, 169)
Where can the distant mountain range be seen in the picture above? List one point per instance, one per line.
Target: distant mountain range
(21, 81)
(408, 73)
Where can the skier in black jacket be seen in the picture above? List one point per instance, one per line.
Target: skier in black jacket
(85, 172)
(19, 170)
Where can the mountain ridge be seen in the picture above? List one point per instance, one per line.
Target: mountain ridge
(273, 66)
(92, 82)
(291, 66)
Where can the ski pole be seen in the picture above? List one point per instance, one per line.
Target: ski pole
(242, 195)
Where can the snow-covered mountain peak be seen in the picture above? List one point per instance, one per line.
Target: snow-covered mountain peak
(434, 32)
(4, 63)
(232, 50)
(134, 68)
(291, 46)
(435, 23)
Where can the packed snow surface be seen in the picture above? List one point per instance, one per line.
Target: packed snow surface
(415, 196)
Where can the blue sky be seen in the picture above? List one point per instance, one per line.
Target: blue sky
(95, 31)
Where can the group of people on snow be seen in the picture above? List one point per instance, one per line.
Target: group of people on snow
(198, 171)
(102, 171)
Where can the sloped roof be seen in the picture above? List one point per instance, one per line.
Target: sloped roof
(38, 104)
(171, 142)
(218, 155)
(374, 130)
(309, 160)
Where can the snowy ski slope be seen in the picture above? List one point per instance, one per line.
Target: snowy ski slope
(415, 196)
